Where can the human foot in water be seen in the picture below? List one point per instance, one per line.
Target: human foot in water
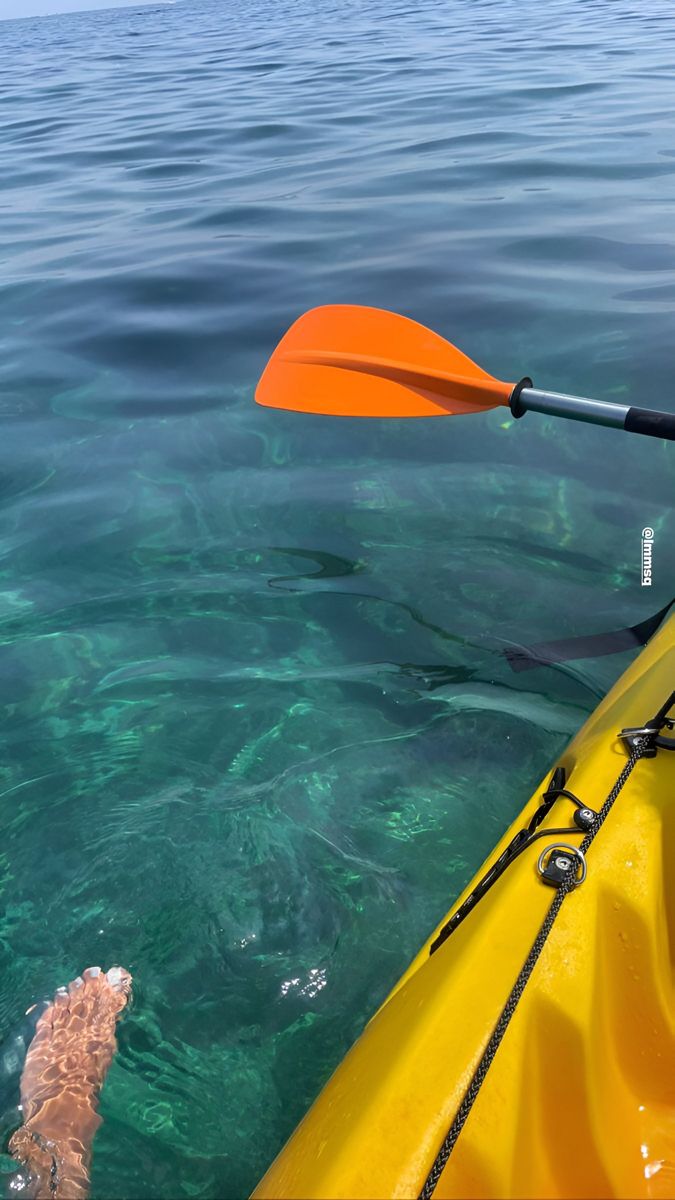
(65, 1067)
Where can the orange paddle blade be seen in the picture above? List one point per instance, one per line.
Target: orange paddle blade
(349, 361)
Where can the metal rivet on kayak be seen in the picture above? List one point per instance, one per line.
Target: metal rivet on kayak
(555, 867)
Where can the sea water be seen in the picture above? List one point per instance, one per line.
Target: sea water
(258, 728)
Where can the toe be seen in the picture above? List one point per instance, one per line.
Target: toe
(76, 985)
(119, 979)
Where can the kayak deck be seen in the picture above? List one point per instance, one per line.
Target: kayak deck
(580, 1099)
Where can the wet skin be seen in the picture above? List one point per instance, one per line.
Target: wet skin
(64, 1071)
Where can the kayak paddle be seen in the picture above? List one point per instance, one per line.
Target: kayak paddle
(345, 360)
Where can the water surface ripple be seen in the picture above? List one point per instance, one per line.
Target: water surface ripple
(257, 727)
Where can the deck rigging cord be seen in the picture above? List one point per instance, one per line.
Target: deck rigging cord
(642, 742)
(584, 818)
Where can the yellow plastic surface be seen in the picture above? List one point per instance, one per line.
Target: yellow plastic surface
(580, 1100)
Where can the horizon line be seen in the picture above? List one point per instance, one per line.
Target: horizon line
(66, 12)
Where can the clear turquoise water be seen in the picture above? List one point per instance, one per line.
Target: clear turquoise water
(257, 729)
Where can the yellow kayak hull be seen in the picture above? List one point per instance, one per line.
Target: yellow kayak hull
(580, 1099)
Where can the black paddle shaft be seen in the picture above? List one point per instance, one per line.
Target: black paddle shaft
(650, 421)
(593, 412)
